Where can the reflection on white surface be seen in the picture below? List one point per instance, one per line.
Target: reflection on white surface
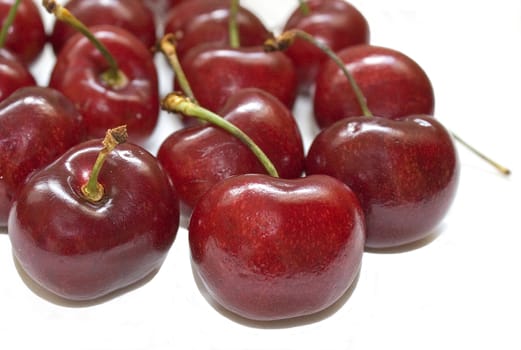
(460, 291)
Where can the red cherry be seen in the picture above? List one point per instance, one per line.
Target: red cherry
(404, 172)
(393, 84)
(80, 248)
(26, 37)
(37, 125)
(132, 15)
(335, 23)
(197, 22)
(78, 73)
(216, 73)
(209, 154)
(13, 75)
(268, 248)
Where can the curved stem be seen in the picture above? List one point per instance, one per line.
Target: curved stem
(304, 7)
(175, 102)
(8, 22)
(167, 47)
(233, 27)
(503, 170)
(93, 190)
(287, 38)
(114, 77)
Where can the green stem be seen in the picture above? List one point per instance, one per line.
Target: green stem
(287, 38)
(8, 22)
(167, 47)
(304, 7)
(113, 77)
(233, 27)
(175, 102)
(503, 170)
(93, 190)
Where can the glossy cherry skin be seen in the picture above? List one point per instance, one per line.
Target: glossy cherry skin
(197, 22)
(268, 248)
(198, 157)
(215, 74)
(26, 37)
(335, 23)
(131, 15)
(37, 125)
(393, 84)
(404, 172)
(81, 250)
(77, 74)
(13, 75)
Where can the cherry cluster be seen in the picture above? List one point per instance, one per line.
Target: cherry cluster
(276, 231)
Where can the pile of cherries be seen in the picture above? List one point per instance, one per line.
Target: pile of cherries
(276, 231)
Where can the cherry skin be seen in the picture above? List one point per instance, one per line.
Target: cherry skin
(404, 172)
(78, 74)
(13, 75)
(269, 248)
(37, 125)
(82, 250)
(209, 154)
(26, 37)
(393, 84)
(196, 22)
(132, 15)
(335, 23)
(216, 73)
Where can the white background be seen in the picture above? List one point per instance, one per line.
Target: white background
(461, 289)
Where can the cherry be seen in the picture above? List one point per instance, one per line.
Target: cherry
(109, 225)
(196, 22)
(13, 75)
(209, 154)
(216, 73)
(335, 23)
(132, 15)
(403, 171)
(26, 36)
(112, 82)
(268, 248)
(393, 84)
(37, 125)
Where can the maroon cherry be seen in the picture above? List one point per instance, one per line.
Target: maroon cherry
(131, 15)
(26, 36)
(112, 82)
(335, 23)
(269, 248)
(96, 220)
(198, 157)
(403, 171)
(393, 84)
(37, 125)
(197, 22)
(215, 74)
(13, 74)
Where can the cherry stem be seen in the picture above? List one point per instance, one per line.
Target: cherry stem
(113, 77)
(503, 170)
(176, 102)
(304, 7)
(8, 22)
(286, 39)
(168, 48)
(93, 190)
(233, 27)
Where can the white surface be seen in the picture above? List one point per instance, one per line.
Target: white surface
(461, 290)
